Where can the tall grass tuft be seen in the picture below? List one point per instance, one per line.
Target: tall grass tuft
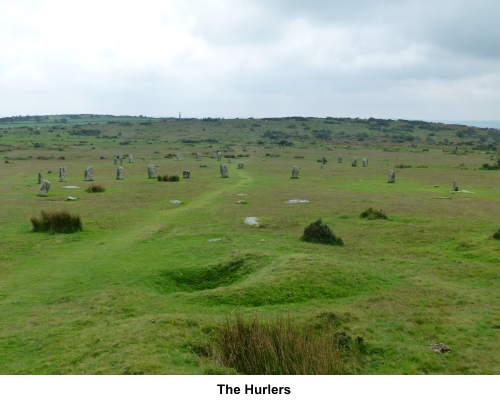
(280, 346)
(373, 213)
(60, 221)
(95, 188)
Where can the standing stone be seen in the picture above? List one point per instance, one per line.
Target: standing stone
(219, 156)
(130, 159)
(198, 156)
(323, 159)
(323, 166)
(121, 160)
(62, 174)
(295, 172)
(211, 155)
(40, 177)
(89, 174)
(339, 159)
(115, 160)
(240, 165)
(44, 188)
(365, 162)
(143, 160)
(119, 173)
(223, 170)
(455, 185)
(178, 157)
(392, 176)
(186, 174)
(152, 172)
(354, 162)
(229, 161)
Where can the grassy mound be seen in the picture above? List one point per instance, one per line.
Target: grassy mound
(373, 213)
(319, 232)
(60, 221)
(95, 188)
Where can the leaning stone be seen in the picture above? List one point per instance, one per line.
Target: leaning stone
(223, 170)
(130, 159)
(198, 156)
(40, 177)
(44, 188)
(119, 173)
(455, 186)
(89, 174)
(295, 172)
(240, 165)
(152, 172)
(354, 162)
(392, 176)
(339, 159)
(62, 174)
(115, 160)
(186, 174)
(365, 162)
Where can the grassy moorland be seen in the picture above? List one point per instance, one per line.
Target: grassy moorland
(142, 287)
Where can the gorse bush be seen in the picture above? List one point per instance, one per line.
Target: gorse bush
(280, 346)
(319, 232)
(168, 178)
(373, 213)
(60, 221)
(496, 235)
(95, 188)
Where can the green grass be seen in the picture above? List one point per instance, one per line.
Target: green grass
(139, 289)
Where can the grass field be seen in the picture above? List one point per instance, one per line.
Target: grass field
(140, 290)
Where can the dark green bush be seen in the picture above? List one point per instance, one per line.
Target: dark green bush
(496, 235)
(373, 213)
(95, 188)
(166, 177)
(319, 232)
(60, 221)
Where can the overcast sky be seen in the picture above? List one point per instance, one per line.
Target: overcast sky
(422, 59)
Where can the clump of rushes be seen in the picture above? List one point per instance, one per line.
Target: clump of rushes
(168, 178)
(319, 232)
(60, 221)
(373, 213)
(95, 188)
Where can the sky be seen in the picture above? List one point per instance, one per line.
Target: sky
(425, 59)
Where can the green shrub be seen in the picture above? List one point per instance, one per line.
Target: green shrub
(280, 346)
(95, 188)
(166, 177)
(373, 213)
(60, 221)
(319, 232)
(496, 235)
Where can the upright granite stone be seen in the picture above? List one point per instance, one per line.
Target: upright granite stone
(186, 174)
(178, 157)
(240, 165)
(143, 160)
(40, 177)
(295, 172)
(198, 156)
(89, 174)
(44, 188)
(121, 160)
(223, 170)
(365, 162)
(119, 174)
(115, 160)
(130, 159)
(219, 156)
(339, 159)
(455, 186)
(152, 172)
(62, 174)
(392, 176)
(354, 162)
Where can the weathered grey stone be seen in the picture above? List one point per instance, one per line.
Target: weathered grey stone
(179, 157)
(229, 161)
(44, 188)
(223, 170)
(219, 156)
(365, 162)
(240, 165)
(295, 172)
(143, 160)
(40, 177)
(186, 174)
(354, 162)
(198, 156)
(392, 176)
(89, 174)
(455, 186)
(115, 160)
(323, 166)
(130, 159)
(62, 174)
(211, 155)
(119, 174)
(152, 172)
(323, 159)
(121, 160)
(339, 159)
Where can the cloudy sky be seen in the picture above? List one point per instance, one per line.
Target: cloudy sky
(416, 59)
